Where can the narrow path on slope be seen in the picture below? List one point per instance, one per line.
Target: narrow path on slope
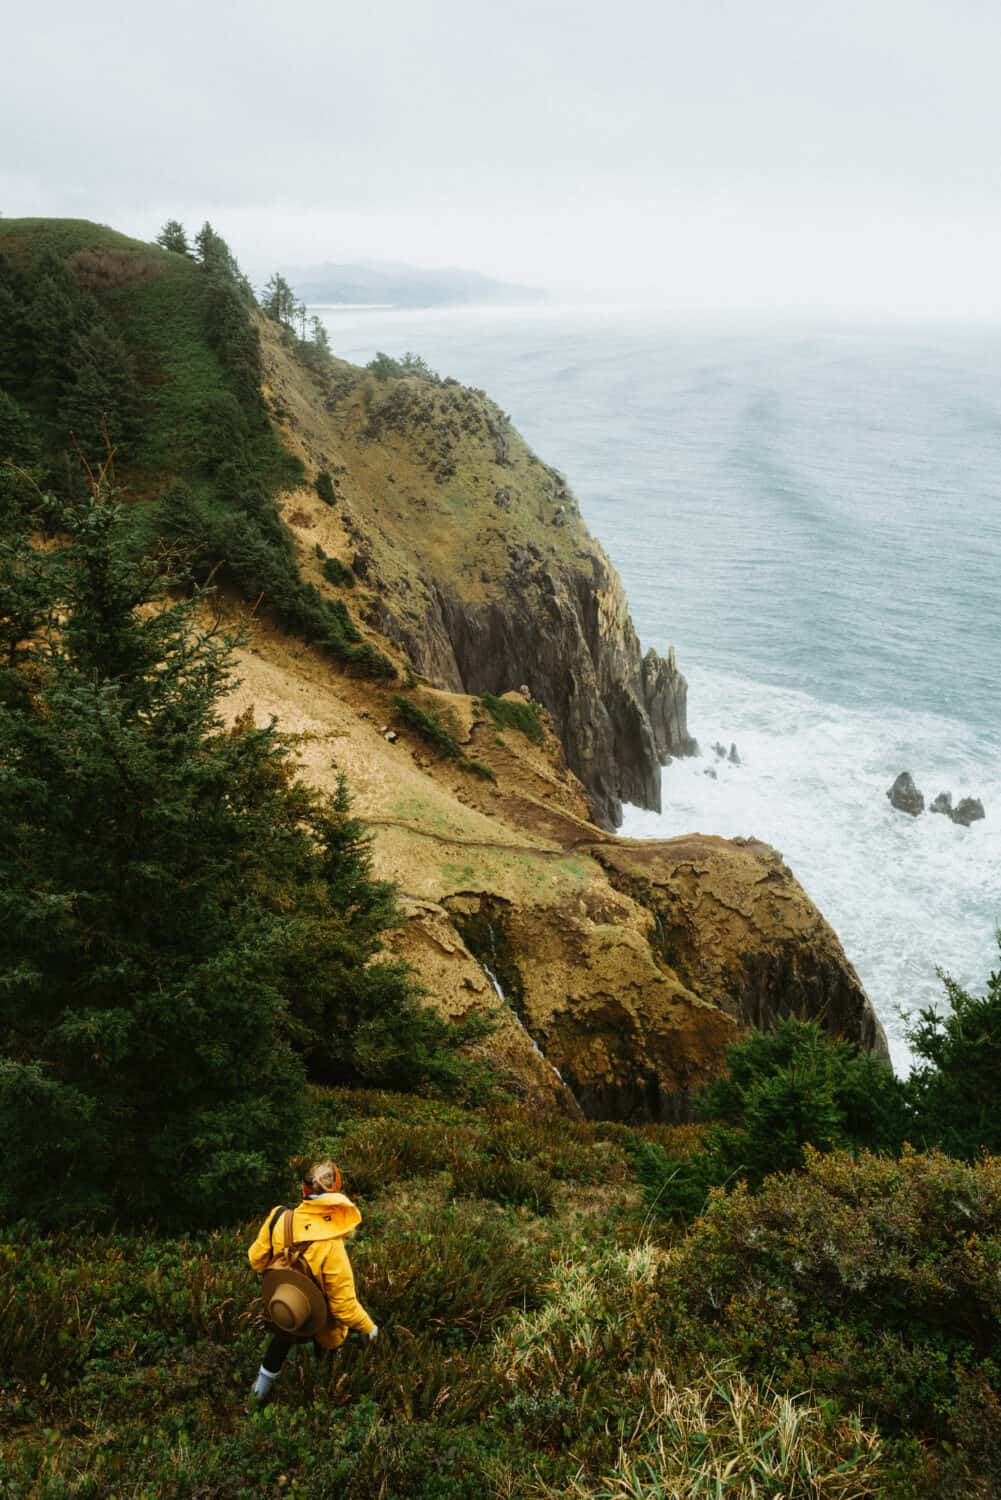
(455, 839)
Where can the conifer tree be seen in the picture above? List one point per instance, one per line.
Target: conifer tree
(173, 237)
(319, 335)
(278, 301)
(956, 1084)
(181, 919)
(146, 1067)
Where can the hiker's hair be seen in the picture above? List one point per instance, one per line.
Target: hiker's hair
(324, 1175)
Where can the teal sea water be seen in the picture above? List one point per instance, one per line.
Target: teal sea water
(813, 520)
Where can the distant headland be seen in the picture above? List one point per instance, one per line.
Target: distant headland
(400, 285)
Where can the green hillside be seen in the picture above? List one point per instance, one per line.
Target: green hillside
(111, 345)
(542, 1333)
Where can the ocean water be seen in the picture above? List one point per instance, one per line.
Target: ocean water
(813, 519)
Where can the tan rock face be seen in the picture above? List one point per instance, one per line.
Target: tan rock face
(732, 921)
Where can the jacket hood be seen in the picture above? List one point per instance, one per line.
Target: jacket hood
(326, 1216)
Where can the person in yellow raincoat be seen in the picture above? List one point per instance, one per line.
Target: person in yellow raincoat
(323, 1220)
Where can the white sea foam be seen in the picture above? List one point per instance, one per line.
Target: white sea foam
(904, 894)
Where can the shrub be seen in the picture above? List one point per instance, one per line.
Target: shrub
(374, 1153)
(783, 1090)
(384, 367)
(325, 488)
(334, 571)
(453, 1270)
(477, 768)
(428, 725)
(956, 1089)
(524, 717)
(872, 1280)
(505, 1180)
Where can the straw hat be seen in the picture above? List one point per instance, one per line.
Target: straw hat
(294, 1303)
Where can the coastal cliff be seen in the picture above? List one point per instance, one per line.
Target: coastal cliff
(422, 606)
(482, 571)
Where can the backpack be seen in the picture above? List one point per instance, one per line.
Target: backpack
(288, 1281)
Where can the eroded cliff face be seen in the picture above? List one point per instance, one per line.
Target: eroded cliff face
(477, 565)
(625, 969)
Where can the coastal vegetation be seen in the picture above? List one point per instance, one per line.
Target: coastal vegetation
(156, 352)
(834, 1335)
(187, 930)
(507, 713)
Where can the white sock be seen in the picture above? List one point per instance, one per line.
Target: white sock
(268, 1375)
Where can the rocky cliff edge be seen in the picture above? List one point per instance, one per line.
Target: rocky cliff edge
(620, 971)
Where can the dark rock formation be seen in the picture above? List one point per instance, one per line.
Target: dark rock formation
(969, 810)
(665, 693)
(566, 634)
(734, 756)
(904, 795)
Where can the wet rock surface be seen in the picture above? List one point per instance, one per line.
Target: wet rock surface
(904, 795)
(969, 810)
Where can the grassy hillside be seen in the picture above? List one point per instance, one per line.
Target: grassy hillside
(165, 350)
(543, 1334)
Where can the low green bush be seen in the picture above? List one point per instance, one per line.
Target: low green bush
(784, 1090)
(524, 717)
(335, 572)
(449, 1269)
(874, 1281)
(505, 1180)
(477, 768)
(428, 724)
(325, 488)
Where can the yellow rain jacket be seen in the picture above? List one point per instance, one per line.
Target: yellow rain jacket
(324, 1220)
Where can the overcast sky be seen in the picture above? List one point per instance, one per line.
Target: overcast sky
(707, 154)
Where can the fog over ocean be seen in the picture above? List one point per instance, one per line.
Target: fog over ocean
(813, 520)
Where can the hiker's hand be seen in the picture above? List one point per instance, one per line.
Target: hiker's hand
(373, 1335)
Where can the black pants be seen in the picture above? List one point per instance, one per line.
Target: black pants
(278, 1348)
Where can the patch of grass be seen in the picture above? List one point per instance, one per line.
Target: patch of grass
(726, 1436)
(477, 768)
(524, 717)
(429, 725)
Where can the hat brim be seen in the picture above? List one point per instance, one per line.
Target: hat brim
(319, 1312)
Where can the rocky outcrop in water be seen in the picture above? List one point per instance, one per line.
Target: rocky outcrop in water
(904, 795)
(969, 810)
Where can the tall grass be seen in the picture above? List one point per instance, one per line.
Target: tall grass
(726, 1439)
